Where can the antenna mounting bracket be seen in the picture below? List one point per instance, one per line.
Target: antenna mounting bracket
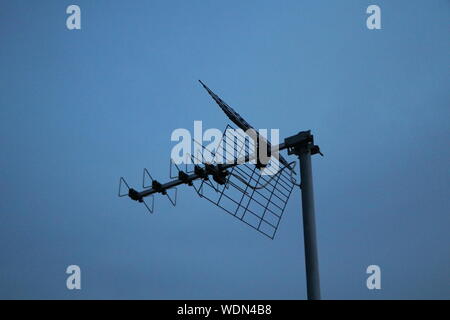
(302, 142)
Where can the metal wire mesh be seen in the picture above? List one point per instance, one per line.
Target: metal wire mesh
(254, 198)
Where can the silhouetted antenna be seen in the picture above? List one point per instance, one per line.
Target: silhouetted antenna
(238, 120)
(241, 183)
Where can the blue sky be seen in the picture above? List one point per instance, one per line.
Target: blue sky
(81, 108)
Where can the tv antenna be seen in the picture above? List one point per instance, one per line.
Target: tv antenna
(241, 188)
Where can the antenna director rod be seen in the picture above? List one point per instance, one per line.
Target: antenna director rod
(217, 171)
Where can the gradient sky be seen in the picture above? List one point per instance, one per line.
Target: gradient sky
(79, 109)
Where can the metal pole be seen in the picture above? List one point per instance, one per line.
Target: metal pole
(309, 226)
